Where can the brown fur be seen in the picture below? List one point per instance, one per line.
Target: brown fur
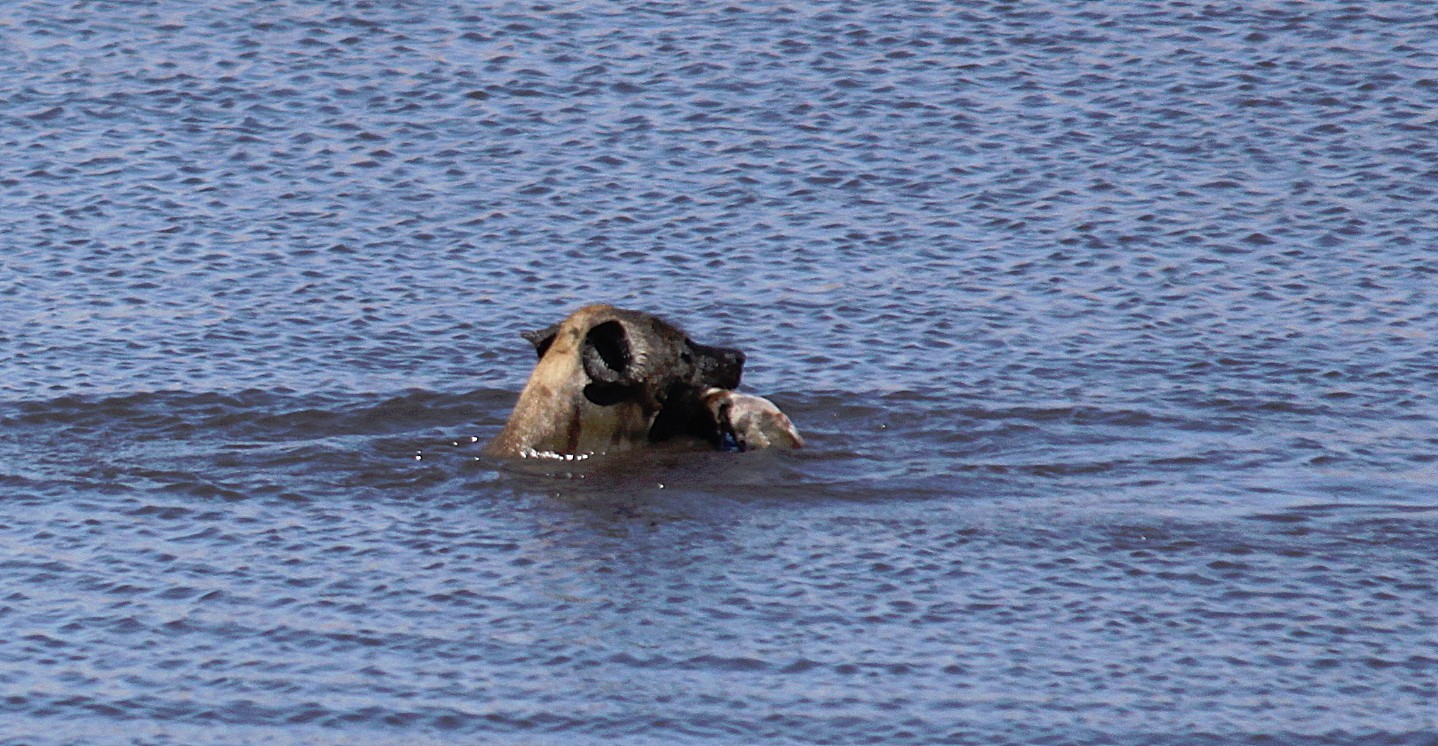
(609, 380)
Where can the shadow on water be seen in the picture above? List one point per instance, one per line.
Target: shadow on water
(355, 546)
(895, 447)
(669, 481)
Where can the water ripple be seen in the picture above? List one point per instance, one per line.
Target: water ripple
(1109, 326)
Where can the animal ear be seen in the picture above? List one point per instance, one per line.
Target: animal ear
(608, 356)
(541, 338)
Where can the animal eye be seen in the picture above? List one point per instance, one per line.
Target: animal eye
(686, 357)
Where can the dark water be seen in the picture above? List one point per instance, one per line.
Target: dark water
(1111, 326)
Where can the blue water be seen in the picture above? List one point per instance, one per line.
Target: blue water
(1111, 327)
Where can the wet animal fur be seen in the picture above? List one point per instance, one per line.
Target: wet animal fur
(610, 379)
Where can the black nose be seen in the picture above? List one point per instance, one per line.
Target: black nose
(720, 367)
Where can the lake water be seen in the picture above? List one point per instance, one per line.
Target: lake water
(1111, 326)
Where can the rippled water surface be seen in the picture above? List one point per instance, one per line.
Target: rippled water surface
(1111, 327)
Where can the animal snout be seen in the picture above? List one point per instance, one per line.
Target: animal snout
(720, 367)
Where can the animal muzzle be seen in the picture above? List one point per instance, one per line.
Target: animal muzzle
(720, 367)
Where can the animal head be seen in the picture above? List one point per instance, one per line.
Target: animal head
(635, 356)
(610, 378)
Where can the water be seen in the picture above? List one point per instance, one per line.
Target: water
(1111, 327)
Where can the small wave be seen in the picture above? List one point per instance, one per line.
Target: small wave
(255, 414)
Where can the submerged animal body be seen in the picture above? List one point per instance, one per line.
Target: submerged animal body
(610, 379)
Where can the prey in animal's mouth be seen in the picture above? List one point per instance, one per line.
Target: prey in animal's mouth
(610, 379)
